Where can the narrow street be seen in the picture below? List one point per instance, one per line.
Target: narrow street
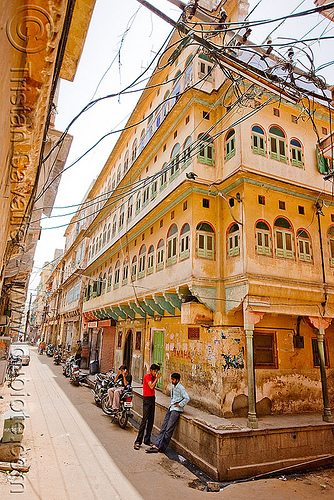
(74, 451)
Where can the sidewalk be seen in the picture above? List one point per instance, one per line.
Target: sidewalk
(67, 460)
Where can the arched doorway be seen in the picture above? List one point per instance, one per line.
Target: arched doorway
(127, 357)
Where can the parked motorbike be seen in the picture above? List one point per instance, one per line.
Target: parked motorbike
(77, 377)
(124, 412)
(102, 383)
(50, 350)
(14, 365)
(57, 357)
(67, 366)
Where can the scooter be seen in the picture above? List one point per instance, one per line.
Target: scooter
(57, 357)
(124, 411)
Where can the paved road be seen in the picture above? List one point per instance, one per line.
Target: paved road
(76, 452)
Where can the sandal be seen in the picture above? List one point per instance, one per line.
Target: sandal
(136, 446)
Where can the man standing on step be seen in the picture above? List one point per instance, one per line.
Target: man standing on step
(179, 399)
(149, 383)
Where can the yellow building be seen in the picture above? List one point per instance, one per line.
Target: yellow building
(211, 232)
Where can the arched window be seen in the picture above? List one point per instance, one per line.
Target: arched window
(99, 285)
(134, 269)
(230, 144)
(109, 283)
(121, 216)
(304, 245)
(114, 226)
(149, 129)
(296, 153)
(284, 238)
(109, 232)
(130, 208)
(116, 277)
(154, 189)
(126, 162)
(146, 193)
(166, 105)
(104, 235)
(330, 234)
(142, 141)
(175, 161)
(138, 203)
(188, 72)
(176, 92)
(262, 234)
(258, 141)
(157, 118)
(205, 154)
(172, 245)
(205, 240)
(142, 255)
(125, 272)
(186, 155)
(185, 242)
(160, 255)
(134, 151)
(150, 259)
(277, 144)
(104, 283)
(233, 240)
(113, 184)
(119, 173)
(89, 252)
(163, 177)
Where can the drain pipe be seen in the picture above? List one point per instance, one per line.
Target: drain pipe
(319, 212)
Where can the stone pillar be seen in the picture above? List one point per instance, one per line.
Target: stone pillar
(320, 324)
(250, 319)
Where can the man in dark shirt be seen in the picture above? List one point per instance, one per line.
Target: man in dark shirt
(124, 378)
(149, 383)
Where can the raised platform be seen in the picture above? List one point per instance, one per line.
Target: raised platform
(227, 449)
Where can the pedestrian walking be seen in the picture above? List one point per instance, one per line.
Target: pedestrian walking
(149, 383)
(179, 399)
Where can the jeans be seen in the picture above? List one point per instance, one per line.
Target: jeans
(147, 420)
(167, 429)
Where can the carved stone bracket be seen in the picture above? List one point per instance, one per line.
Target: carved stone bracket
(320, 323)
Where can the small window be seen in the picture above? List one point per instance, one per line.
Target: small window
(163, 177)
(187, 120)
(281, 205)
(134, 269)
(231, 202)
(277, 144)
(332, 217)
(294, 119)
(138, 341)
(261, 199)
(172, 214)
(258, 141)
(301, 210)
(125, 272)
(262, 233)
(264, 349)
(138, 203)
(150, 258)
(185, 242)
(296, 153)
(205, 240)
(206, 115)
(276, 112)
(324, 130)
(304, 246)
(233, 243)
(160, 255)
(154, 189)
(146, 196)
(230, 144)
(206, 203)
(185, 205)
(175, 134)
(315, 351)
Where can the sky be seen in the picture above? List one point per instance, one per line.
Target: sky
(101, 71)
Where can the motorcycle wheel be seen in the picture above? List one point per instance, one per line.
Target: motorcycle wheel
(105, 405)
(123, 419)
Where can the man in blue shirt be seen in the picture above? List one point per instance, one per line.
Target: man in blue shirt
(179, 399)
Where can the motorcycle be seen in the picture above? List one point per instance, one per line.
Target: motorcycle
(67, 366)
(14, 365)
(77, 377)
(57, 357)
(123, 413)
(102, 383)
(50, 350)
